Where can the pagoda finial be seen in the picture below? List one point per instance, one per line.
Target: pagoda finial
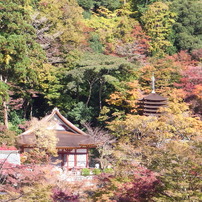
(153, 83)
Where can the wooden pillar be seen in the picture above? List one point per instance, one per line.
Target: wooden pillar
(87, 160)
(75, 158)
(62, 157)
(5, 112)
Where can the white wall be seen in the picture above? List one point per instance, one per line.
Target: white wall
(12, 156)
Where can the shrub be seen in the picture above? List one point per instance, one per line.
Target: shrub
(64, 195)
(96, 171)
(107, 170)
(85, 172)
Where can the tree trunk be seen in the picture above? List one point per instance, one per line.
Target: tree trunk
(31, 110)
(5, 111)
(100, 94)
(91, 83)
(89, 95)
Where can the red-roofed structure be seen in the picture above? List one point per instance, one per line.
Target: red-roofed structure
(5, 147)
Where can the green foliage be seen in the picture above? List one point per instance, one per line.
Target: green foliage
(72, 59)
(80, 113)
(85, 172)
(15, 120)
(96, 171)
(110, 4)
(95, 43)
(107, 170)
(7, 136)
(96, 4)
(96, 76)
(141, 6)
(111, 28)
(4, 96)
(86, 14)
(85, 4)
(20, 54)
(188, 26)
(18, 47)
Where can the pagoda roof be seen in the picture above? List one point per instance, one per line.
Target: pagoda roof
(154, 97)
(151, 106)
(67, 133)
(157, 103)
(151, 114)
(151, 110)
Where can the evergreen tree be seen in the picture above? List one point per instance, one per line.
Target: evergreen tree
(188, 25)
(19, 53)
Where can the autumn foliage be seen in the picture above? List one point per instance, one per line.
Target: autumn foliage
(94, 60)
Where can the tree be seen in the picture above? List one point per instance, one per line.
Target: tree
(26, 183)
(141, 6)
(20, 53)
(112, 28)
(60, 195)
(127, 183)
(168, 145)
(7, 136)
(44, 142)
(111, 4)
(95, 77)
(166, 72)
(48, 77)
(188, 25)
(137, 49)
(157, 23)
(124, 100)
(86, 4)
(141, 185)
(104, 144)
(4, 97)
(191, 84)
(59, 28)
(96, 4)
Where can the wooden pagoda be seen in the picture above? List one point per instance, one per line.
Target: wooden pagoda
(73, 144)
(150, 104)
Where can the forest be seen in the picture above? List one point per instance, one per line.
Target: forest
(94, 59)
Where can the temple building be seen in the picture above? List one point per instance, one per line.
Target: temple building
(72, 146)
(150, 104)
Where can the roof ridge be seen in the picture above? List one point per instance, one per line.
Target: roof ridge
(64, 120)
